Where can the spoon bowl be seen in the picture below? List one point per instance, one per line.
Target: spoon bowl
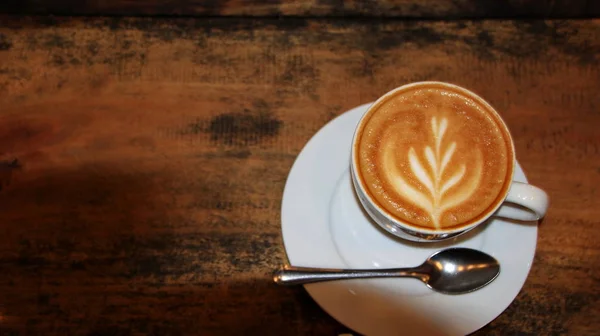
(460, 270)
(450, 271)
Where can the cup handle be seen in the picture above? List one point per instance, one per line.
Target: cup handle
(524, 202)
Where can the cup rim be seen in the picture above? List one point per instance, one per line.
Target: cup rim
(359, 183)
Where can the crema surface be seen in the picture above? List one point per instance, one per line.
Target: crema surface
(434, 157)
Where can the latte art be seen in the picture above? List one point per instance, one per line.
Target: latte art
(433, 175)
(434, 157)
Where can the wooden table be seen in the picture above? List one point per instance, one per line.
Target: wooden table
(143, 160)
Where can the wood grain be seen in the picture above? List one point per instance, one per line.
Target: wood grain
(330, 8)
(142, 162)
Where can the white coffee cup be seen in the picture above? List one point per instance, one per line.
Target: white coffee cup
(522, 201)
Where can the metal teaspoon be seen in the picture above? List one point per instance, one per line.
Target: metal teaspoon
(450, 271)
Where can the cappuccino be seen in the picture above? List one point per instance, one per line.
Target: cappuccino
(434, 157)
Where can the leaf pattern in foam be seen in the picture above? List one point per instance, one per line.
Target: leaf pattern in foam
(429, 194)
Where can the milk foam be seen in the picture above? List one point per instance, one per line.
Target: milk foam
(434, 157)
(432, 198)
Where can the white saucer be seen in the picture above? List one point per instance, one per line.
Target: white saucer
(323, 226)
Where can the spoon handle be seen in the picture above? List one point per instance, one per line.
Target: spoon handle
(290, 275)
